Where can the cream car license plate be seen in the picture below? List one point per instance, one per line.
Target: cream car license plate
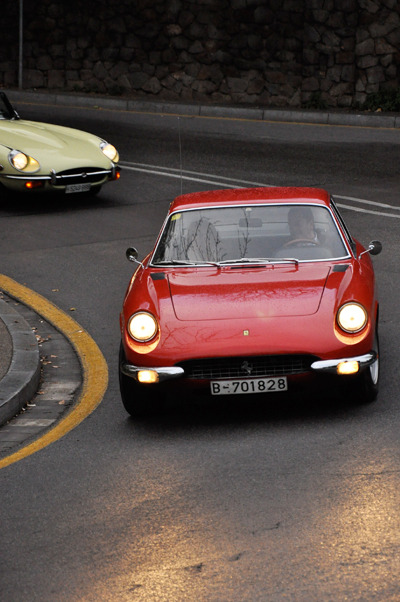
(72, 188)
(250, 385)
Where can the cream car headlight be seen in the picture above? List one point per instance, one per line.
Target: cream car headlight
(142, 327)
(110, 151)
(23, 162)
(352, 317)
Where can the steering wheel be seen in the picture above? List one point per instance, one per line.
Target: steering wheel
(298, 242)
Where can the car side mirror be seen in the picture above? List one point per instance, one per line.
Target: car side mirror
(374, 248)
(132, 254)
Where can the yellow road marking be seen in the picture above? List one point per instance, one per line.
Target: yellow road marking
(94, 366)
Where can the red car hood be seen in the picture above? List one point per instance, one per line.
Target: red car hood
(256, 292)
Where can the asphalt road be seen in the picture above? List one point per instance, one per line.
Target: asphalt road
(292, 502)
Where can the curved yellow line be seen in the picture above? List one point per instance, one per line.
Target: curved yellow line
(94, 366)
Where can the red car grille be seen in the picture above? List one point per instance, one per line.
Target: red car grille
(251, 367)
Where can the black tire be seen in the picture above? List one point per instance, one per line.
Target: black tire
(139, 400)
(368, 381)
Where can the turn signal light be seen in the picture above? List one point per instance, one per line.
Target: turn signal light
(351, 367)
(147, 376)
(30, 185)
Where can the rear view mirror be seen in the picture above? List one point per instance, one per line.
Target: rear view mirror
(131, 254)
(375, 247)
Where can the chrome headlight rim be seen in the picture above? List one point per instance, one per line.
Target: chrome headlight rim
(23, 162)
(109, 151)
(142, 327)
(352, 317)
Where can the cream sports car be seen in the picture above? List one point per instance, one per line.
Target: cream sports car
(42, 157)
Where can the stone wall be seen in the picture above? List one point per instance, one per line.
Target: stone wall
(271, 53)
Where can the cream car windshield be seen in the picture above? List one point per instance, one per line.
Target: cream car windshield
(301, 232)
(6, 110)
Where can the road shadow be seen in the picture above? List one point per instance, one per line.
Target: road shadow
(205, 413)
(18, 204)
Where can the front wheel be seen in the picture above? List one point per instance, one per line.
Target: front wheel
(138, 400)
(368, 382)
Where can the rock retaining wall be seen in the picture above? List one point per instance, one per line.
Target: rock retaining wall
(271, 53)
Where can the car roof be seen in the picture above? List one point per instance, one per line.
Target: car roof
(239, 196)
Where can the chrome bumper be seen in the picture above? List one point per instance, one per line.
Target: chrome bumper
(80, 176)
(331, 365)
(163, 373)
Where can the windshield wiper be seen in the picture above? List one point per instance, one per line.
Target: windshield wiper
(286, 260)
(185, 262)
(172, 262)
(246, 260)
(259, 260)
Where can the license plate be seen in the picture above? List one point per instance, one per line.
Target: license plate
(250, 385)
(72, 188)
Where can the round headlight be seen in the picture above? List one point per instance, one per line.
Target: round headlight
(18, 160)
(110, 151)
(352, 317)
(142, 327)
(23, 162)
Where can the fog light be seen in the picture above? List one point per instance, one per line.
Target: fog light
(147, 376)
(351, 367)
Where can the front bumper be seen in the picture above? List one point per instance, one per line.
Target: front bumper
(319, 366)
(163, 374)
(90, 176)
(331, 366)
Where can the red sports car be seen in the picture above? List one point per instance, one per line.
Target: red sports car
(250, 291)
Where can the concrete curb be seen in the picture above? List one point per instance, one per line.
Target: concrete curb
(21, 382)
(355, 119)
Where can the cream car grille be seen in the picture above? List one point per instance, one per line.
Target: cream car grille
(79, 176)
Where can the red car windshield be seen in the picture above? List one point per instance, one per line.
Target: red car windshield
(228, 234)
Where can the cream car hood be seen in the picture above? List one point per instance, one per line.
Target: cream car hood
(55, 147)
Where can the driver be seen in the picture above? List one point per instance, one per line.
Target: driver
(301, 226)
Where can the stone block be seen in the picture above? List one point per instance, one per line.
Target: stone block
(375, 75)
(310, 84)
(44, 62)
(348, 73)
(236, 84)
(275, 77)
(152, 85)
(137, 79)
(345, 58)
(33, 78)
(99, 71)
(205, 87)
(341, 89)
(365, 47)
(9, 78)
(382, 47)
(56, 79)
(366, 62)
(256, 86)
